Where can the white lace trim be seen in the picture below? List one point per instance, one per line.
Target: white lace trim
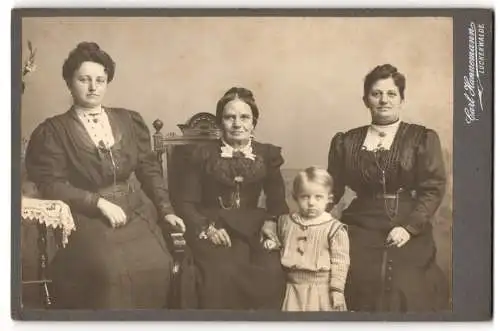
(52, 213)
(227, 150)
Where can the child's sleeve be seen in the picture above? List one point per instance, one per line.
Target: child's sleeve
(279, 228)
(339, 258)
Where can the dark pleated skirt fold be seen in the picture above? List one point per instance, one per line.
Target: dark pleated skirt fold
(243, 276)
(407, 279)
(105, 268)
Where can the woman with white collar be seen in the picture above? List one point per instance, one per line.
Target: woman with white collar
(396, 170)
(224, 225)
(117, 257)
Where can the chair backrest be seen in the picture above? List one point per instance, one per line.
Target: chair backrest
(173, 149)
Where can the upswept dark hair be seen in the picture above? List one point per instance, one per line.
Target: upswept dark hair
(83, 52)
(234, 93)
(384, 71)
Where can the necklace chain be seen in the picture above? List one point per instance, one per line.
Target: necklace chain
(391, 212)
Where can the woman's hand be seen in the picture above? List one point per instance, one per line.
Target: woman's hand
(113, 213)
(338, 300)
(219, 237)
(176, 222)
(398, 236)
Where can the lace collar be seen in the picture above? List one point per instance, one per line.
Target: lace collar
(83, 112)
(227, 151)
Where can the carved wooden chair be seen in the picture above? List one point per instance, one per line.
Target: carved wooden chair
(172, 151)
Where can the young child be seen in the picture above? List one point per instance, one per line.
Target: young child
(314, 247)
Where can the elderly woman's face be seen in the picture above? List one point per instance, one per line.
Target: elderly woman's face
(237, 122)
(384, 101)
(89, 84)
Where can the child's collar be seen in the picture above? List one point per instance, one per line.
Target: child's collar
(321, 219)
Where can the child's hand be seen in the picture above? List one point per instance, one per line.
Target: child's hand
(338, 300)
(270, 244)
(269, 231)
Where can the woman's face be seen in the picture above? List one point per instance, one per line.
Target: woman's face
(384, 101)
(89, 84)
(237, 122)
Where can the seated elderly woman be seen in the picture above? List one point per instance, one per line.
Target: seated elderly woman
(219, 203)
(117, 258)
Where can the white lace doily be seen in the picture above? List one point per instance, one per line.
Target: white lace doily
(52, 213)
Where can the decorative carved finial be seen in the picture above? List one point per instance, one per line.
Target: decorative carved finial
(158, 125)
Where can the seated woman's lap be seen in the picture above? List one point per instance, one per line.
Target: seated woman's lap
(239, 276)
(121, 268)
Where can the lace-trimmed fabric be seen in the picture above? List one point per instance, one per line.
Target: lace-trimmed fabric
(227, 151)
(52, 213)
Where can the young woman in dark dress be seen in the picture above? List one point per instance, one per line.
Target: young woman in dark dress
(86, 156)
(224, 225)
(396, 170)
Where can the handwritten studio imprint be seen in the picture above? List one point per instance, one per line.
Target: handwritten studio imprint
(473, 86)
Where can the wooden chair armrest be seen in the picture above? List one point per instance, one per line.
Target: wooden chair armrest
(178, 241)
(175, 241)
(177, 246)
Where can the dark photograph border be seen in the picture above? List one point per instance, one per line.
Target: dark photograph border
(472, 238)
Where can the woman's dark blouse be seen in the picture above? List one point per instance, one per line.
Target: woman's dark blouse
(209, 176)
(104, 267)
(414, 164)
(66, 165)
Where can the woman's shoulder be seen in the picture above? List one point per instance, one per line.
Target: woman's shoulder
(129, 118)
(51, 123)
(353, 131)
(124, 112)
(266, 149)
(270, 152)
(419, 132)
(340, 137)
(48, 133)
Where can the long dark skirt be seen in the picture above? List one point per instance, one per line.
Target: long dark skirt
(375, 283)
(106, 268)
(238, 277)
(243, 276)
(405, 279)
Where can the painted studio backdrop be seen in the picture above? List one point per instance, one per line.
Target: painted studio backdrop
(306, 74)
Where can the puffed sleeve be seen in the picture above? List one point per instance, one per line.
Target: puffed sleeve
(339, 258)
(336, 166)
(148, 170)
(431, 182)
(47, 166)
(274, 185)
(191, 193)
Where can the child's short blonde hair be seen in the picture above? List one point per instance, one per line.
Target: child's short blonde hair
(312, 174)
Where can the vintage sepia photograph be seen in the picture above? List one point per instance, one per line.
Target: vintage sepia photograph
(238, 163)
